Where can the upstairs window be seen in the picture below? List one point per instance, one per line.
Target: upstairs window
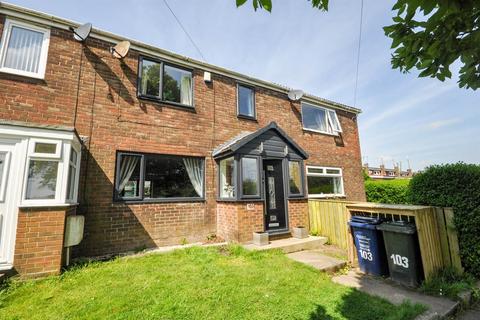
(245, 101)
(164, 82)
(319, 119)
(324, 182)
(24, 49)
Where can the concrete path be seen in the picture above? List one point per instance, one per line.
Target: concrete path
(437, 307)
(289, 245)
(472, 314)
(318, 260)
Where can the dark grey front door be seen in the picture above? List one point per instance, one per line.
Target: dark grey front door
(275, 217)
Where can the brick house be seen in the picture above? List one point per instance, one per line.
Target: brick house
(152, 149)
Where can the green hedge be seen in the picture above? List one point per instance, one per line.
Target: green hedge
(387, 191)
(458, 186)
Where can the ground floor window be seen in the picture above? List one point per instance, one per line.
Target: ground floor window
(227, 178)
(295, 184)
(159, 177)
(324, 182)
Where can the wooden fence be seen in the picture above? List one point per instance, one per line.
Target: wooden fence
(436, 234)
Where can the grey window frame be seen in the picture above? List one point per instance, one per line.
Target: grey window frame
(302, 179)
(240, 178)
(244, 116)
(160, 99)
(141, 198)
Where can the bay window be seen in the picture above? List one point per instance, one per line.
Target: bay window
(164, 82)
(250, 177)
(319, 119)
(154, 177)
(24, 49)
(227, 178)
(324, 182)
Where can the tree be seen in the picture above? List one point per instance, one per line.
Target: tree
(428, 35)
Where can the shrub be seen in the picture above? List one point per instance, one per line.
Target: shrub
(457, 186)
(448, 282)
(387, 191)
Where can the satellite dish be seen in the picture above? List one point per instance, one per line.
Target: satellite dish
(120, 51)
(82, 32)
(295, 95)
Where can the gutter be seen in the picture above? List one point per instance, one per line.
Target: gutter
(53, 21)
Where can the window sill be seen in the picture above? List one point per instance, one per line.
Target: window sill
(23, 73)
(46, 205)
(153, 201)
(321, 132)
(240, 200)
(244, 117)
(169, 103)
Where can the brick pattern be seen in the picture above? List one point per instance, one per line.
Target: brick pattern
(39, 243)
(111, 117)
(298, 213)
(237, 223)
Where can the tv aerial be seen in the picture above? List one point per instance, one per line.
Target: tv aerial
(82, 32)
(120, 50)
(295, 95)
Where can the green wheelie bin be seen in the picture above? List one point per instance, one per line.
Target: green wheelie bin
(403, 252)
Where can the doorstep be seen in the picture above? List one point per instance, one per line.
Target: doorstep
(289, 245)
(318, 260)
(438, 307)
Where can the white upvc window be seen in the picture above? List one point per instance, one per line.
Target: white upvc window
(320, 119)
(24, 49)
(324, 182)
(52, 172)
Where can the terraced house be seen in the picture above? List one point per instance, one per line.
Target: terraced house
(150, 147)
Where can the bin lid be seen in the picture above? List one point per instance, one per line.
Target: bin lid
(398, 227)
(364, 222)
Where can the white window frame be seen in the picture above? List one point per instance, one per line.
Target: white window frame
(76, 167)
(325, 174)
(3, 182)
(56, 155)
(7, 30)
(328, 120)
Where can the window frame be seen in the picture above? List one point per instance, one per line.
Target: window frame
(141, 198)
(241, 195)
(235, 178)
(160, 99)
(325, 174)
(76, 167)
(244, 116)
(328, 120)
(302, 179)
(42, 64)
(6, 167)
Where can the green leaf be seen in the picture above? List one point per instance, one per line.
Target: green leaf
(240, 3)
(267, 5)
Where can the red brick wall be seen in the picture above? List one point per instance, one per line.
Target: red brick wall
(236, 223)
(298, 213)
(39, 243)
(111, 117)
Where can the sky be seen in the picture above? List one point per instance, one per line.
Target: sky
(405, 119)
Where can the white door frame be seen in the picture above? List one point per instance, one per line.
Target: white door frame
(12, 196)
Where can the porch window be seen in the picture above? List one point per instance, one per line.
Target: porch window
(24, 49)
(324, 182)
(227, 178)
(164, 82)
(295, 178)
(153, 177)
(250, 178)
(42, 179)
(319, 119)
(245, 101)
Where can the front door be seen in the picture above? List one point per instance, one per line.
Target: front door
(275, 213)
(8, 194)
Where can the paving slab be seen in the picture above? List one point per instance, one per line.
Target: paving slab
(289, 245)
(472, 314)
(438, 307)
(318, 260)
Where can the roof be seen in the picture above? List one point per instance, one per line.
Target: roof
(243, 138)
(46, 19)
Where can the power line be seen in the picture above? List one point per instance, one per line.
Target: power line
(186, 32)
(358, 55)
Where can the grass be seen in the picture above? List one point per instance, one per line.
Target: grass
(448, 282)
(195, 283)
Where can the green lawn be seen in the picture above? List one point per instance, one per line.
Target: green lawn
(195, 283)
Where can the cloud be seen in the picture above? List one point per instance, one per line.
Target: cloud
(442, 123)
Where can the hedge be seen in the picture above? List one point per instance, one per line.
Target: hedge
(387, 191)
(457, 186)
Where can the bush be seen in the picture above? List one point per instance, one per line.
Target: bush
(457, 186)
(387, 191)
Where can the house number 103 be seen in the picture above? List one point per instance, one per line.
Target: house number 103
(399, 260)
